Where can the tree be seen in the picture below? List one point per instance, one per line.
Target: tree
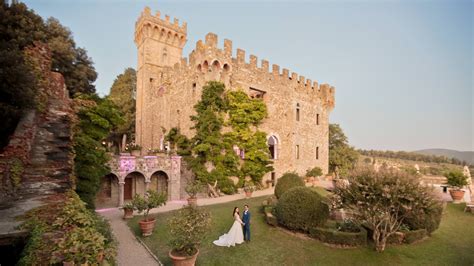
(382, 201)
(342, 157)
(122, 94)
(74, 63)
(17, 89)
(97, 117)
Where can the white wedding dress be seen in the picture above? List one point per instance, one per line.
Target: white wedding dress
(234, 236)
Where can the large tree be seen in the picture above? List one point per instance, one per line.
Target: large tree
(342, 157)
(122, 94)
(97, 118)
(71, 61)
(384, 200)
(21, 27)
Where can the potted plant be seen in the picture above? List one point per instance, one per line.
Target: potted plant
(127, 210)
(249, 187)
(134, 148)
(192, 188)
(187, 229)
(456, 180)
(151, 200)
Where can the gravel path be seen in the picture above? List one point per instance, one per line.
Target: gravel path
(130, 251)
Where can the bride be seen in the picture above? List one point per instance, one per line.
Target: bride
(235, 234)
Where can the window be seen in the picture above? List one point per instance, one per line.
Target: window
(194, 85)
(256, 93)
(273, 147)
(297, 112)
(317, 119)
(317, 153)
(297, 151)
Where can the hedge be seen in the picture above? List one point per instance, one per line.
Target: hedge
(414, 235)
(333, 236)
(286, 182)
(269, 217)
(301, 208)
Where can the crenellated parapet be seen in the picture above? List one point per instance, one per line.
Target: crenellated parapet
(208, 57)
(153, 26)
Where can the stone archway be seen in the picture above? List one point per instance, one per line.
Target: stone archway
(134, 183)
(108, 194)
(159, 182)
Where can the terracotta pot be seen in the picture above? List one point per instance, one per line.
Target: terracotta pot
(147, 226)
(183, 261)
(248, 194)
(127, 213)
(457, 195)
(192, 202)
(68, 263)
(136, 152)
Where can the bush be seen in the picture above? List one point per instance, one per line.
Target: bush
(414, 235)
(301, 208)
(188, 227)
(427, 218)
(336, 237)
(226, 186)
(269, 217)
(286, 182)
(316, 171)
(456, 179)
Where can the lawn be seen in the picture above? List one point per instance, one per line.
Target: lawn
(451, 244)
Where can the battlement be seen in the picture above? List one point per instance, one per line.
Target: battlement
(154, 26)
(300, 82)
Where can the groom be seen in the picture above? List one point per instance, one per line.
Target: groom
(246, 221)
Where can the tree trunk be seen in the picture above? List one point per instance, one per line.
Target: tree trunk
(380, 240)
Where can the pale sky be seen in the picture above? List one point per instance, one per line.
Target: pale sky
(403, 70)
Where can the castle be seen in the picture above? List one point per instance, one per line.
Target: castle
(169, 85)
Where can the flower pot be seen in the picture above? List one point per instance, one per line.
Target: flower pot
(192, 202)
(68, 263)
(135, 153)
(127, 213)
(457, 195)
(248, 194)
(183, 260)
(147, 226)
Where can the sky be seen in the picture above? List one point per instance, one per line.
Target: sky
(403, 70)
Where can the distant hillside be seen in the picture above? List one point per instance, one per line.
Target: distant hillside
(467, 156)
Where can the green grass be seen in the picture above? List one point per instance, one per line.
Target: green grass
(451, 244)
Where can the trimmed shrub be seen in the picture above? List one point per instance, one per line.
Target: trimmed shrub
(414, 235)
(269, 217)
(333, 236)
(301, 208)
(426, 218)
(287, 181)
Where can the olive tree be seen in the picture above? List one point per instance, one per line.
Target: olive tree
(382, 200)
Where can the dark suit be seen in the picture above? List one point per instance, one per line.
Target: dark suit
(246, 220)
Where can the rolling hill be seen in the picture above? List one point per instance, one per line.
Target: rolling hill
(467, 156)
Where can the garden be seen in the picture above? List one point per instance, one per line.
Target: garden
(450, 244)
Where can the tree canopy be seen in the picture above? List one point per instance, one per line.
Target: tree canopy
(342, 157)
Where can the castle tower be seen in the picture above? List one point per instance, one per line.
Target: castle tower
(159, 44)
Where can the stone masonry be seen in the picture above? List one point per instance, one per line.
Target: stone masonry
(168, 86)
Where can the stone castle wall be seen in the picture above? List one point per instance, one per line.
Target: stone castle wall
(167, 93)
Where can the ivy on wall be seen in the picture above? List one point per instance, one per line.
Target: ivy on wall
(215, 156)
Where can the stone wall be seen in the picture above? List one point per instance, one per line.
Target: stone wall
(166, 96)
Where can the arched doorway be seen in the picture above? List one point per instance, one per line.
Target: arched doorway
(134, 184)
(159, 182)
(108, 192)
(273, 147)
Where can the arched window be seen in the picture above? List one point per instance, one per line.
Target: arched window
(205, 66)
(165, 56)
(216, 66)
(297, 112)
(273, 147)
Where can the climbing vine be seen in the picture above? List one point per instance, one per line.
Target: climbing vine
(241, 151)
